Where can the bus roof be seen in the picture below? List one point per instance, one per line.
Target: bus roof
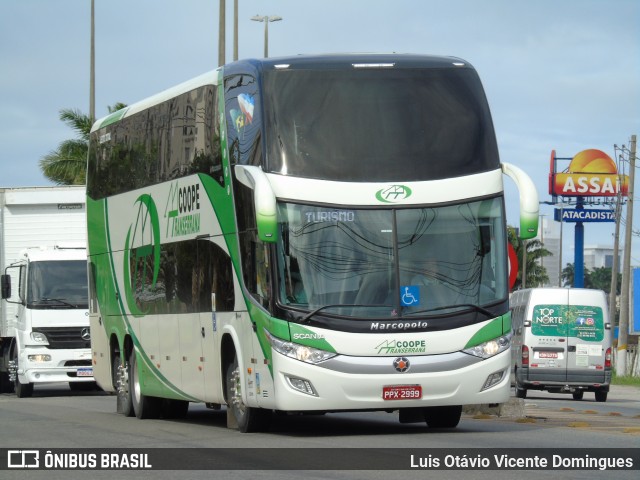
(316, 62)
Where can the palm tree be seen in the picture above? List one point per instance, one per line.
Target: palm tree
(67, 164)
(536, 272)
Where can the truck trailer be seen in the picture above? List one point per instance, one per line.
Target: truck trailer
(44, 318)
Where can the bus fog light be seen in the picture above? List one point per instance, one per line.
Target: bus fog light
(301, 385)
(39, 358)
(493, 379)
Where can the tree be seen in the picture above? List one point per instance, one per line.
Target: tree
(67, 165)
(536, 273)
(598, 278)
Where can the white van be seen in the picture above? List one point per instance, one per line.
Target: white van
(561, 341)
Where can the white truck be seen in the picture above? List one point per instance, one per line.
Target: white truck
(44, 322)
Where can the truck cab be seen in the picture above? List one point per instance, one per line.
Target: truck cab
(49, 339)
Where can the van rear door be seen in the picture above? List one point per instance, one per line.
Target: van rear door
(548, 340)
(587, 337)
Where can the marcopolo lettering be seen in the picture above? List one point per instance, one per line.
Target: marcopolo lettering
(398, 325)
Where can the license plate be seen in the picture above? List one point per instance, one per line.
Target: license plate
(402, 392)
(85, 372)
(548, 354)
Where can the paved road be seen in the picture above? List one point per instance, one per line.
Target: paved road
(58, 418)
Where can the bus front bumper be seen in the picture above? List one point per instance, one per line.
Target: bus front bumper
(379, 383)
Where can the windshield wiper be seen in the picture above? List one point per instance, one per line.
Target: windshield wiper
(61, 301)
(477, 308)
(317, 310)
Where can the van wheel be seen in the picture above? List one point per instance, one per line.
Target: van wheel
(443, 417)
(249, 419)
(578, 395)
(601, 395)
(144, 406)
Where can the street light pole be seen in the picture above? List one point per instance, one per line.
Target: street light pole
(266, 19)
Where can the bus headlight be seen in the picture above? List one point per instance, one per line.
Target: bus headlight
(491, 347)
(297, 351)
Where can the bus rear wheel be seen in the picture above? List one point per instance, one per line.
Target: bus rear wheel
(144, 406)
(248, 419)
(443, 417)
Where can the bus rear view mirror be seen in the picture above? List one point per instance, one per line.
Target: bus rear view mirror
(528, 201)
(264, 201)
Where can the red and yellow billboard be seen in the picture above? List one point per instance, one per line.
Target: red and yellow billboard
(591, 173)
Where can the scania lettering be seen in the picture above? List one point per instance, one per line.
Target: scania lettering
(310, 236)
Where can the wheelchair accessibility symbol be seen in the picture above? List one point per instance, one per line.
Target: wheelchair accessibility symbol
(410, 296)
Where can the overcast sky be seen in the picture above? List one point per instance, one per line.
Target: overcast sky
(560, 75)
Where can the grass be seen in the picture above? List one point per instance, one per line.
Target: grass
(626, 380)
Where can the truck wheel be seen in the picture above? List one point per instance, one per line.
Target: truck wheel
(23, 390)
(601, 395)
(249, 419)
(144, 406)
(577, 395)
(443, 417)
(520, 391)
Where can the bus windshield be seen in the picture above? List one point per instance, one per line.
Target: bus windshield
(386, 263)
(396, 124)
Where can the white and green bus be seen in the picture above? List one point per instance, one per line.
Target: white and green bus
(304, 234)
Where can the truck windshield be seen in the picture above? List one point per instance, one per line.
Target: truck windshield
(379, 263)
(57, 284)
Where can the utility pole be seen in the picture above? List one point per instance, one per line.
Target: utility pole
(221, 33)
(623, 330)
(523, 282)
(235, 30)
(613, 293)
(92, 75)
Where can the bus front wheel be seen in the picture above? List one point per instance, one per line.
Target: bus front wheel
(248, 419)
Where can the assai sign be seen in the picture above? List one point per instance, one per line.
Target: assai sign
(591, 173)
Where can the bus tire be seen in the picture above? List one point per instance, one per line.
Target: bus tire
(248, 419)
(122, 386)
(174, 409)
(144, 406)
(443, 417)
(601, 395)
